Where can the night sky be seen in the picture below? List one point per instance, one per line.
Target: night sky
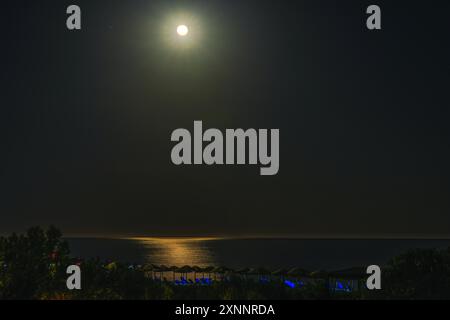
(86, 117)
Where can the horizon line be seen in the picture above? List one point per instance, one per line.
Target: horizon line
(410, 236)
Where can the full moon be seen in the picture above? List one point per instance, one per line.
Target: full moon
(182, 30)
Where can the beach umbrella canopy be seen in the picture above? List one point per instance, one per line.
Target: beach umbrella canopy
(320, 274)
(259, 271)
(208, 269)
(297, 272)
(227, 270)
(156, 269)
(351, 273)
(220, 269)
(185, 269)
(174, 269)
(251, 271)
(280, 272)
(197, 269)
(150, 267)
(243, 270)
(163, 268)
(147, 268)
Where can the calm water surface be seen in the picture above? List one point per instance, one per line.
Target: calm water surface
(237, 253)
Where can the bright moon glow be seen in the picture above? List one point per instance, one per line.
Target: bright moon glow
(182, 30)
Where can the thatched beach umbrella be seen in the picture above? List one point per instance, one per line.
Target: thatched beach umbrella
(263, 272)
(216, 270)
(149, 268)
(243, 271)
(226, 273)
(258, 271)
(163, 268)
(208, 270)
(202, 270)
(174, 269)
(227, 270)
(220, 270)
(185, 270)
(280, 273)
(196, 270)
(252, 271)
(297, 272)
(154, 269)
(355, 273)
(319, 274)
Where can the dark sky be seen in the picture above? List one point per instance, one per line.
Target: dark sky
(86, 117)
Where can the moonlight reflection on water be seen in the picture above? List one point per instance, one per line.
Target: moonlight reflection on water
(179, 251)
(310, 254)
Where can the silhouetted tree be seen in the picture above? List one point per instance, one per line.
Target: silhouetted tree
(32, 264)
(418, 274)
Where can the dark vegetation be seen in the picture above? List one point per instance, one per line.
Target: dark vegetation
(33, 266)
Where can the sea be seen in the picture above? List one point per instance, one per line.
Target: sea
(310, 254)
